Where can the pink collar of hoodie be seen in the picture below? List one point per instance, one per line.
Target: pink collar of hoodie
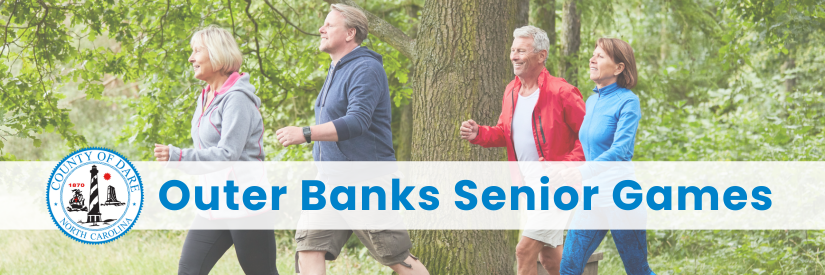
(226, 85)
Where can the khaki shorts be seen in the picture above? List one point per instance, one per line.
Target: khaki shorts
(388, 247)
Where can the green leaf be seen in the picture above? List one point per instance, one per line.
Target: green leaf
(402, 77)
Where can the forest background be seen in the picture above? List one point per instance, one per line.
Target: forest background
(718, 81)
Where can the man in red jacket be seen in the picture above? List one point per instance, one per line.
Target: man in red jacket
(540, 120)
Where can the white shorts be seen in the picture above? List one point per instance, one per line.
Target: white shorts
(551, 238)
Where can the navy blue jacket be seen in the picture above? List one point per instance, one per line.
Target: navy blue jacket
(356, 98)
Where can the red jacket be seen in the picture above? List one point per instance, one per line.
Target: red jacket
(557, 118)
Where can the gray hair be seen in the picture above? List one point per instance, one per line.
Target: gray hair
(354, 18)
(540, 40)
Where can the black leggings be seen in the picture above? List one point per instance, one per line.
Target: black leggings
(203, 248)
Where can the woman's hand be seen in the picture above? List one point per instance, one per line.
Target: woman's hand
(161, 152)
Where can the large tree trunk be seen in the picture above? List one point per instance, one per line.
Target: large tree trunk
(461, 72)
(570, 41)
(543, 16)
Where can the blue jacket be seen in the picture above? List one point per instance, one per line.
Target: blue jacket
(356, 98)
(608, 132)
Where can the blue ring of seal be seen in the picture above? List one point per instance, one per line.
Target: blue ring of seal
(48, 187)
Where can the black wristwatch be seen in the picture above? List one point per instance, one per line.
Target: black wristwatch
(307, 134)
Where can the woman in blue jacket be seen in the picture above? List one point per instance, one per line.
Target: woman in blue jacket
(608, 133)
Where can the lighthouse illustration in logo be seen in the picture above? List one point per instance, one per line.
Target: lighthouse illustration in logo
(78, 179)
(94, 214)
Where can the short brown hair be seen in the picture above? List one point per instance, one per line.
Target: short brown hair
(621, 52)
(354, 18)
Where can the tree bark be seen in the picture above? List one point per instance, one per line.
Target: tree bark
(522, 13)
(404, 137)
(461, 72)
(543, 16)
(570, 41)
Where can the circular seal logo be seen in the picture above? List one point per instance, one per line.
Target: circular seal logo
(94, 195)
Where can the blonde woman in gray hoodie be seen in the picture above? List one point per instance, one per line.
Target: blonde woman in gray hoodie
(226, 126)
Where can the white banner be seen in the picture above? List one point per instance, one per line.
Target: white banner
(441, 195)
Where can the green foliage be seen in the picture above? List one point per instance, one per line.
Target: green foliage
(149, 46)
(713, 82)
(780, 24)
(35, 45)
(727, 252)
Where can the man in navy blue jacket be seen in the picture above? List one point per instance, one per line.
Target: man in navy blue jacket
(353, 115)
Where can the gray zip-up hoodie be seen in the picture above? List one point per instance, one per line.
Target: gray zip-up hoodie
(230, 129)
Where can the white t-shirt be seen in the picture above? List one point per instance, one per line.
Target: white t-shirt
(523, 140)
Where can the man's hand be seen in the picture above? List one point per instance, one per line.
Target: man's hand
(552, 170)
(161, 152)
(469, 130)
(290, 135)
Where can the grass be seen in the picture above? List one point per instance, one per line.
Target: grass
(755, 252)
(144, 252)
(670, 252)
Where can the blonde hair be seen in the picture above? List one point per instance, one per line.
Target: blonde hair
(223, 51)
(621, 52)
(354, 18)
